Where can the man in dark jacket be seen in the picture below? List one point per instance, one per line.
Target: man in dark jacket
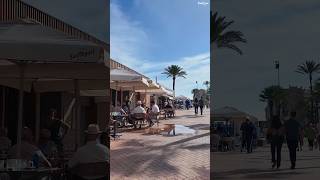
(247, 129)
(292, 128)
(201, 105)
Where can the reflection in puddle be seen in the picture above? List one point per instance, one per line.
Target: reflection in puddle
(180, 129)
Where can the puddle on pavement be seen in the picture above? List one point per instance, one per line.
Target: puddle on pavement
(181, 130)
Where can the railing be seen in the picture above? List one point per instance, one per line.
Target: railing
(18, 11)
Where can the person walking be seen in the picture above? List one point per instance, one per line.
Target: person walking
(318, 134)
(292, 130)
(249, 136)
(196, 105)
(301, 139)
(187, 104)
(243, 134)
(247, 130)
(276, 138)
(311, 136)
(201, 105)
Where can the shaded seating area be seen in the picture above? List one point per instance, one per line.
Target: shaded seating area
(90, 170)
(61, 64)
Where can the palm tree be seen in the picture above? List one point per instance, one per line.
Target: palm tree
(273, 95)
(174, 71)
(316, 96)
(222, 38)
(206, 83)
(194, 92)
(309, 68)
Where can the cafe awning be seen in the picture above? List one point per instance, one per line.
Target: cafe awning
(123, 75)
(34, 42)
(32, 55)
(142, 83)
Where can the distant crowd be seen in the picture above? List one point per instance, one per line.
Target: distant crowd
(294, 134)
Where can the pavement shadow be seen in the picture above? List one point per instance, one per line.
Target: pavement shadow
(203, 172)
(155, 159)
(279, 175)
(197, 147)
(142, 160)
(187, 116)
(260, 173)
(180, 141)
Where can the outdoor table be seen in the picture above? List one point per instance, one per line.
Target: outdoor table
(114, 128)
(169, 112)
(229, 142)
(37, 173)
(119, 116)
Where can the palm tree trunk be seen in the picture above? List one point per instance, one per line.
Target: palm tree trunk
(270, 104)
(173, 85)
(311, 100)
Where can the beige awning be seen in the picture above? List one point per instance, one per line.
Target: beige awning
(130, 85)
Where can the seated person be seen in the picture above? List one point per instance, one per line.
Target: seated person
(91, 153)
(58, 129)
(46, 145)
(167, 105)
(28, 149)
(154, 112)
(119, 109)
(169, 109)
(126, 109)
(5, 142)
(137, 110)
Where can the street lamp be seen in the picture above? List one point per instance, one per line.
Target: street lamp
(277, 66)
(278, 69)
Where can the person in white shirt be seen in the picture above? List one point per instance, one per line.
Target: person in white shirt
(154, 108)
(153, 114)
(92, 152)
(137, 114)
(138, 108)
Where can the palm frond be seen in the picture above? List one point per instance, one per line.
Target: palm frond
(221, 37)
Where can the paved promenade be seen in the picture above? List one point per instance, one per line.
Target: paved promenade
(184, 156)
(256, 166)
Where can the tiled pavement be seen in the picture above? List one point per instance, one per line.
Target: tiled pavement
(185, 156)
(257, 166)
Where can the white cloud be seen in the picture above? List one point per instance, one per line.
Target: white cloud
(197, 68)
(129, 42)
(126, 38)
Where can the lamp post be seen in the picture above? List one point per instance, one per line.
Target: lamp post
(278, 70)
(277, 66)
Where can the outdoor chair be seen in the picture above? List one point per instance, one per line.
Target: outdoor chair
(113, 129)
(154, 119)
(4, 176)
(227, 143)
(215, 142)
(170, 112)
(98, 169)
(162, 114)
(139, 118)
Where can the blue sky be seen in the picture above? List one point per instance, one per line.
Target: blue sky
(151, 35)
